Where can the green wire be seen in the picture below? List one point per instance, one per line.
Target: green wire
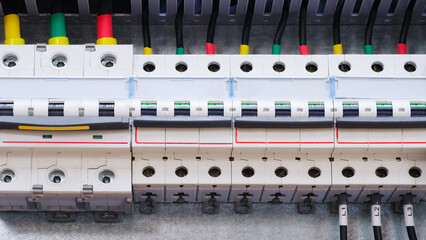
(180, 51)
(368, 49)
(57, 25)
(276, 49)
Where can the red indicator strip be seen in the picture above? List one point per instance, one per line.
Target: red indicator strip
(66, 142)
(337, 140)
(236, 141)
(137, 142)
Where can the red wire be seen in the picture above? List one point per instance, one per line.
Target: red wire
(104, 26)
(210, 48)
(303, 49)
(402, 48)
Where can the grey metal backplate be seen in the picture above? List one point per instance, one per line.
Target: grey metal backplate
(266, 11)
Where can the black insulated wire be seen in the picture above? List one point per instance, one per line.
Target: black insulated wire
(9, 7)
(302, 22)
(178, 25)
(57, 6)
(247, 23)
(376, 215)
(407, 201)
(377, 230)
(105, 7)
(407, 21)
(282, 23)
(370, 23)
(336, 22)
(342, 200)
(145, 24)
(212, 22)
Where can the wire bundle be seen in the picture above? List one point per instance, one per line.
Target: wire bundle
(337, 47)
(178, 29)
(210, 49)
(104, 23)
(58, 32)
(402, 45)
(147, 50)
(12, 29)
(276, 47)
(244, 47)
(303, 47)
(368, 45)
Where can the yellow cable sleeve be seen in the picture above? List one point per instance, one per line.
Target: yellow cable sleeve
(147, 51)
(12, 30)
(106, 41)
(244, 49)
(58, 41)
(338, 49)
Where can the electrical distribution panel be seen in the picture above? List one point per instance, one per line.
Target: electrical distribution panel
(96, 127)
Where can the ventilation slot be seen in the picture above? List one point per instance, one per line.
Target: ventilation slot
(282, 110)
(106, 109)
(56, 110)
(316, 110)
(392, 7)
(384, 110)
(6, 109)
(249, 109)
(357, 7)
(321, 7)
(215, 109)
(149, 109)
(268, 7)
(350, 110)
(182, 109)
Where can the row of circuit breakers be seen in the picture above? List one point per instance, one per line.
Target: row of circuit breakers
(95, 128)
(89, 155)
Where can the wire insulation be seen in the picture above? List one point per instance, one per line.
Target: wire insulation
(369, 29)
(12, 28)
(405, 26)
(376, 215)
(145, 28)
(104, 24)
(408, 210)
(244, 49)
(178, 29)
(58, 33)
(212, 26)
(342, 200)
(303, 47)
(276, 47)
(336, 27)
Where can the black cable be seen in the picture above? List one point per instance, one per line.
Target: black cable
(282, 23)
(247, 23)
(376, 215)
(302, 22)
(57, 6)
(370, 23)
(342, 200)
(105, 7)
(145, 24)
(212, 22)
(178, 25)
(9, 7)
(377, 230)
(407, 21)
(336, 22)
(407, 201)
